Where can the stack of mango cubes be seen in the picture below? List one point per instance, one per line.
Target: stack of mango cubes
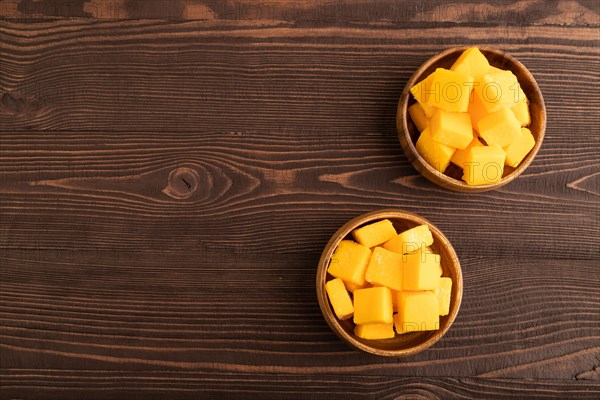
(473, 115)
(387, 281)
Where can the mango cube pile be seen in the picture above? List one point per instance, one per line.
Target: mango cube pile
(468, 106)
(387, 282)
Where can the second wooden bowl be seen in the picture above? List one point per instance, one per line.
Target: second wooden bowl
(408, 132)
(409, 343)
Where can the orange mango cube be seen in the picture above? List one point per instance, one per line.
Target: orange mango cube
(339, 299)
(436, 154)
(421, 271)
(459, 156)
(484, 165)
(418, 116)
(500, 127)
(349, 262)
(374, 234)
(373, 306)
(420, 92)
(477, 109)
(498, 90)
(385, 269)
(443, 293)
(374, 331)
(521, 111)
(417, 311)
(453, 129)
(471, 62)
(410, 240)
(450, 90)
(518, 149)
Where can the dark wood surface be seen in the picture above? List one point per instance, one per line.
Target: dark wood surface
(171, 171)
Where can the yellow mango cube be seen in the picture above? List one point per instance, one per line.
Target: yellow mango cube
(417, 311)
(373, 306)
(420, 92)
(477, 109)
(418, 116)
(518, 149)
(349, 262)
(385, 269)
(443, 293)
(374, 331)
(410, 240)
(374, 234)
(521, 111)
(339, 298)
(471, 62)
(453, 129)
(500, 128)
(498, 89)
(459, 156)
(421, 271)
(450, 90)
(484, 165)
(438, 155)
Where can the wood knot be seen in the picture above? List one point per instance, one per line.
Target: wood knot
(13, 104)
(182, 183)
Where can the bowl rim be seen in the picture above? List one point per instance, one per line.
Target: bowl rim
(415, 157)
(338, 236)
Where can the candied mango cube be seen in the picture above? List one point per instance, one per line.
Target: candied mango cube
(521, 111)
(459, 156)
(498, 89)
(421, 271)
(410, 240)
(349, 262)
(385, 269)
(517, 150)
(450, 90)
(477, 109)
(339, 298)
(420, 92)
(500, 128)
(438, 155)
(374, 234)
(373, 306)
(484, 165)
(418, 116)
(453, 129)
(442, 293)
(471, 62)
(374, 331)
(417, 311)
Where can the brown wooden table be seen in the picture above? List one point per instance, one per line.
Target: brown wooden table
(171, 171)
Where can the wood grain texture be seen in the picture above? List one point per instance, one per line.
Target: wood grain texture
(111, 186)
(159, 76)
(171, 171)
(73, 383)
(312, 12)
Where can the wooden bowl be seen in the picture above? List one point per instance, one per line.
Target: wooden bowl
(408, 132)
(409, 343)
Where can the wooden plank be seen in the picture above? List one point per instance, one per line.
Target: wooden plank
(74, 384)
(277, 193)
(311, 12)
(187, 77)
(537, 319)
